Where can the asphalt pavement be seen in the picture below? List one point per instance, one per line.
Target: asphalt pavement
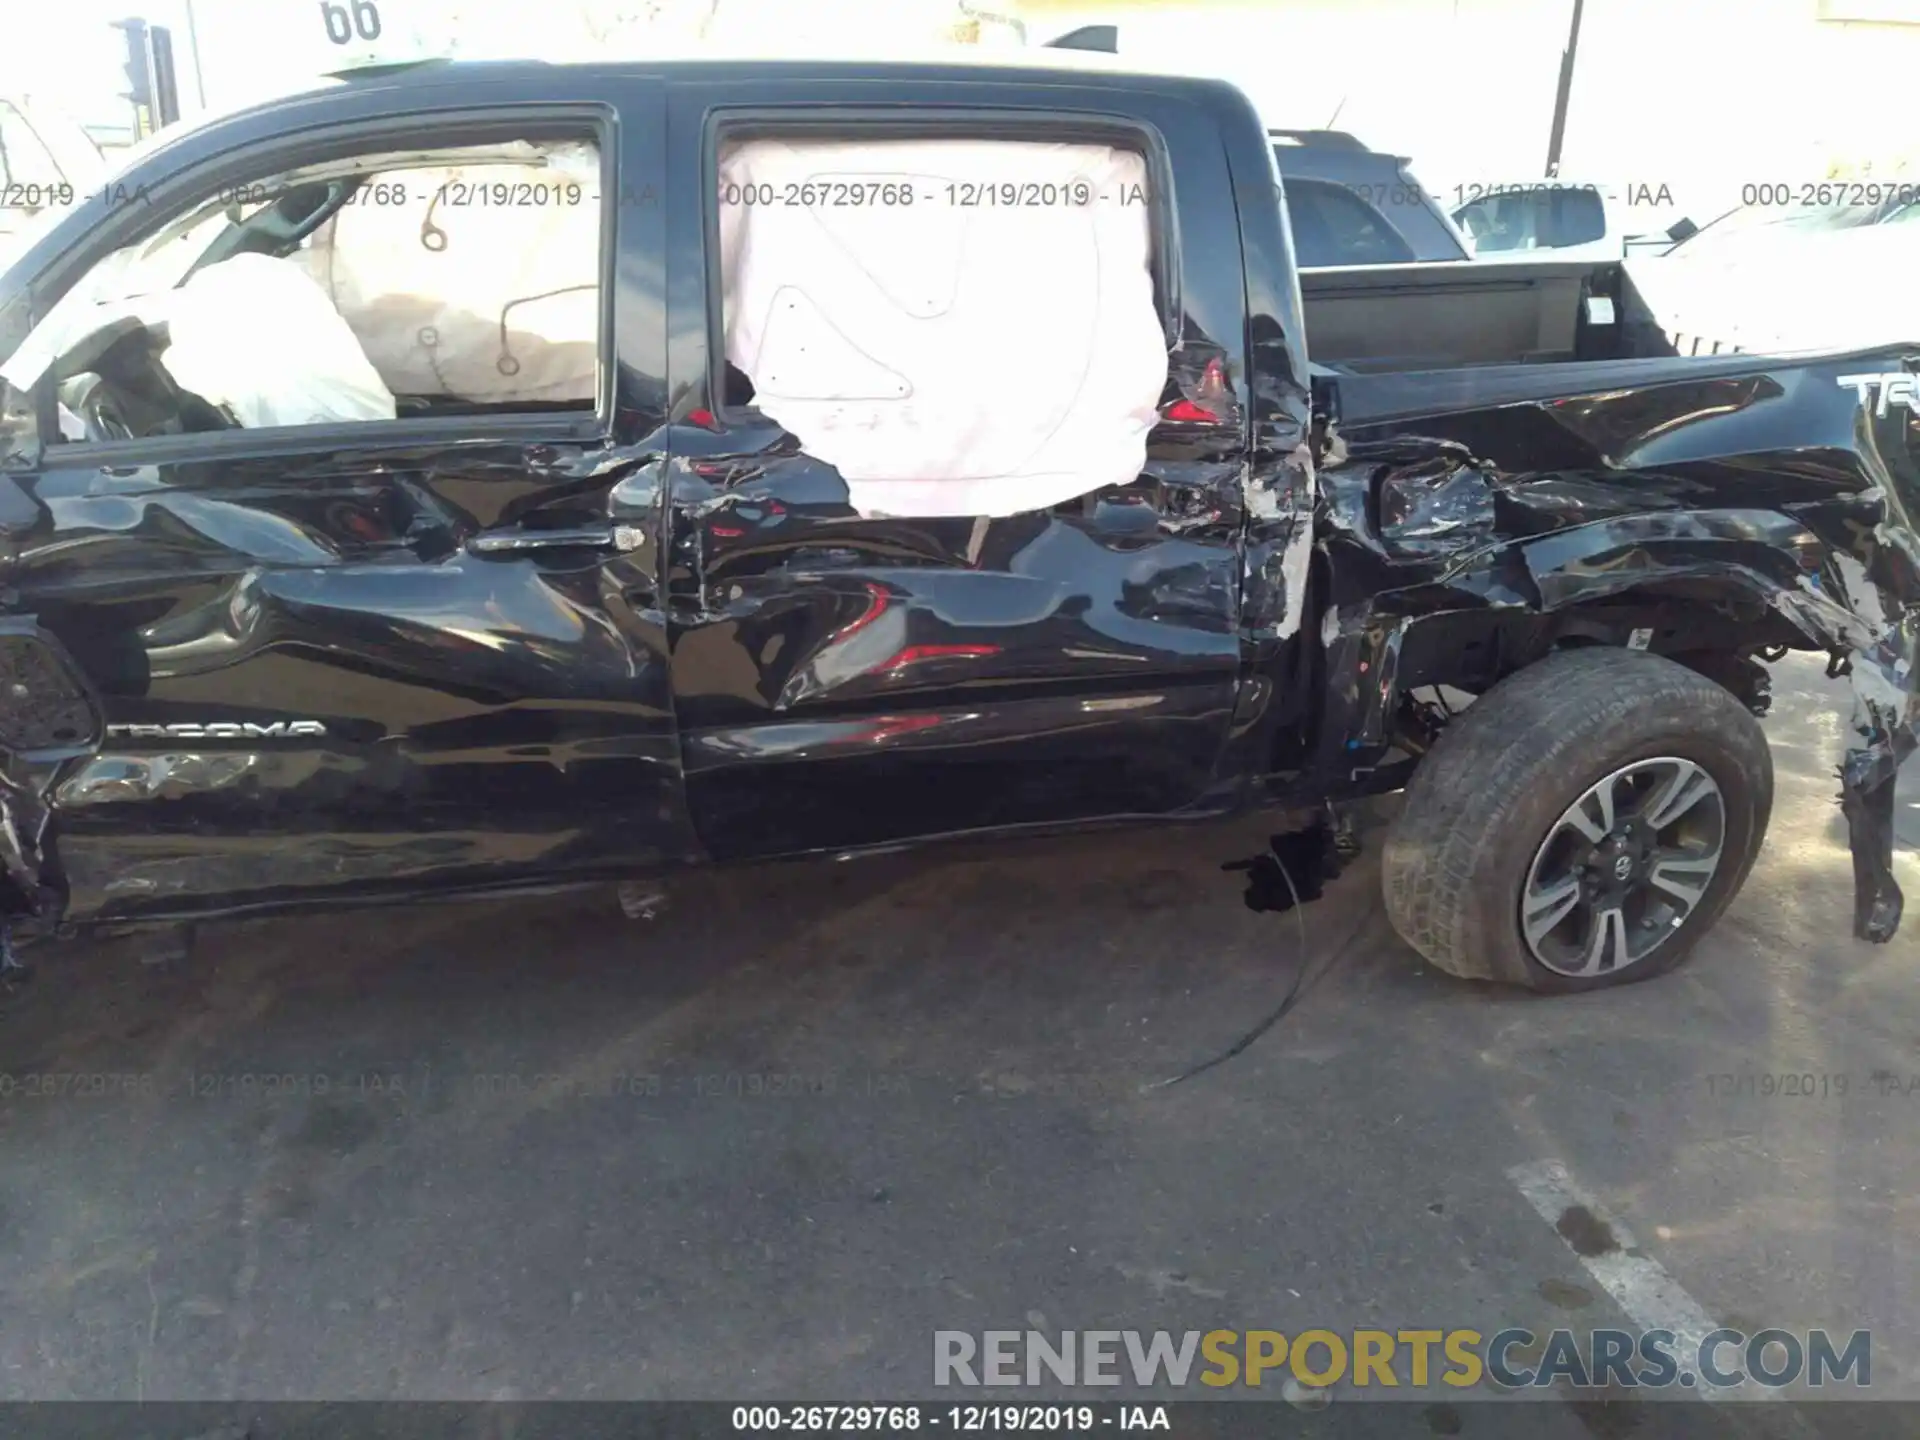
(764, 1146)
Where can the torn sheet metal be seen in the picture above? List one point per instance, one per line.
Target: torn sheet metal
(865, 322)
(1435, 507)
(1280, 487)
(1886, 729)
(23, 823)
(1757, 501)
(50, 716)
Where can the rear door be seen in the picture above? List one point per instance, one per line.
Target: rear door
(843, 679)
(347, 654)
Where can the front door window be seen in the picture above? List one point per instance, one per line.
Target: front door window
(375, 288)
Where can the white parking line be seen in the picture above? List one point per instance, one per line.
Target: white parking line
(1652, 1298)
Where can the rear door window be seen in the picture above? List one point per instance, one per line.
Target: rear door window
(866, 283)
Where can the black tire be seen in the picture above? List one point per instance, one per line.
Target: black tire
(1495, 784)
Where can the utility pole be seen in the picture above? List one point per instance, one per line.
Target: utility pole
(1565, 93)
(193, 49)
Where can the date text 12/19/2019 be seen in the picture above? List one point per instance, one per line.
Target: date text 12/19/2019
(960, 1419)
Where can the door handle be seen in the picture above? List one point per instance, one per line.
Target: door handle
(631, 506)
(623, 538)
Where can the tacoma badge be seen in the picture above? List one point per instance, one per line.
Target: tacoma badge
(278, 730)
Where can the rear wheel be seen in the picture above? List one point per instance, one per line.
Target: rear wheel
(1582, 825)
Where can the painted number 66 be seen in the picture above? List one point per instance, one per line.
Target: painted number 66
(343, 26)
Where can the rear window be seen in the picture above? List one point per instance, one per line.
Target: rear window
(1545, 219)
(1574, 217)
(1334, 226)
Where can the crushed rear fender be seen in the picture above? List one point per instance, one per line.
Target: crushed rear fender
(1779, 491)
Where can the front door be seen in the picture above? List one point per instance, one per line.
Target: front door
(842, 679)
(366, 581)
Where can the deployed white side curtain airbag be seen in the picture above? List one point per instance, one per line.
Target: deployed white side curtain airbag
(258, 336)
(989, 348)
(478, 282)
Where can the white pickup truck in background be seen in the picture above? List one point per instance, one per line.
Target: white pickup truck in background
(1780, 279)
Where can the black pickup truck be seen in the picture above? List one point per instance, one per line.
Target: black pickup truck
(262, 648)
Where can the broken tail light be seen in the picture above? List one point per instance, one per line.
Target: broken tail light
(1208, 403)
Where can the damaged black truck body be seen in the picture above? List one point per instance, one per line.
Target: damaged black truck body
(484, 646)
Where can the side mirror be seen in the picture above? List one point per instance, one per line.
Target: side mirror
(1682, 229)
